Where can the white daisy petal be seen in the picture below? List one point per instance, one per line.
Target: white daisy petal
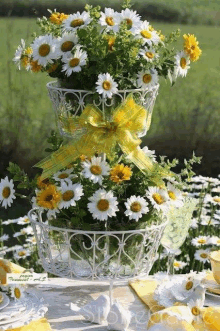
(202, 255)
(158, 198)
(95, 169)
(70, 194)
(182, 62)
(76, 21)
(149, 37)
(110, 20)
(103, 205)
(106, 85)
(74, 61)
(44, 49)
(149, 54)
(66, 43)
(63, 175)
(147, 79)
(175, 195)
(136, 206)
(7, 192)
(131, 18)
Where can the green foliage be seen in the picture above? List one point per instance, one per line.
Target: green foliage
(55, 140)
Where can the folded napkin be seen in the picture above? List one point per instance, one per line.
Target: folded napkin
(8, 267)
(177, 317)
(211, 284)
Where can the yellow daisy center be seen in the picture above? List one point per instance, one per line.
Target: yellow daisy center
(17, 293)
(195, 311)
(129, 22)
(147, 78)
(44, 50)
(189, 285)
(26, 220)
(21, 253)
(111, 42)
(6, 192)
(158, 198)
(67, 46)
(172, 195)
(183, 62)
(146, 34)
(218, 241)
(150, 55)
(110, 21)
(135, 207)
(176, 264)
(68, 195)
(103, 205)
(63, 176)
(201, 241)
(106, 85)
(77, 22)
(96, 170)
(74, 62)
(49, 197)
(35, 67)
(216, 200)
(25, 61)
(204, 255)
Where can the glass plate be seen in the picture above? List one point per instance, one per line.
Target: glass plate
(5, 301)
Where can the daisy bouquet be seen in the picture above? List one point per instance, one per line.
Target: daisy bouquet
(93, 50)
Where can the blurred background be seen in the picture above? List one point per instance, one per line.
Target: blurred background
(186, 116)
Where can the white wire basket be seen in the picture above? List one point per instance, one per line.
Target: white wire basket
(68, 103)
(96, 255)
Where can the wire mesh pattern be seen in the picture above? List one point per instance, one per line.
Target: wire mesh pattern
(100, 255)
(69, 103)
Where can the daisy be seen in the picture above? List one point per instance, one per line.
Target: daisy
(178, 265)
(110, 20)
(120, 173)
(106, 85)
(207, 221)
(21, 253)
(63, 175)
(23, 220)
(175, 195)
(147, 35)
(136, 206)
(70, 194)
(159, 198)
(7, 192)
(9, 222)
(196, 303)
(184, 286)
(4, 237)
(201, 240)
(76, 21)
(147, 79)
(149, 54)
(66, 43)
(74, 62)
(149, 153)
(213, 200)
(202, 255)
(44, 50)
(216, 189)
(182, 62)
(17, 291)
(18, 54)
(214, 241)
(103, 205)
(95, 169)
(31, 240)
(194, 223)
(51, 213)
(131, 18)
(25, 231)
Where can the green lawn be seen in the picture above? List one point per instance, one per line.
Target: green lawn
(186, 116)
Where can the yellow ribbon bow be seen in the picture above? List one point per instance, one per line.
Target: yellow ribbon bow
(93, 135)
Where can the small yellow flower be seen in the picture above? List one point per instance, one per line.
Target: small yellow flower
(191, 47)
(35, 67)
(25, 61)
(49, 197)
(111, 42)
(28, 51)
(52, 68)
(120, 173)
(42, 183)
(57, 18)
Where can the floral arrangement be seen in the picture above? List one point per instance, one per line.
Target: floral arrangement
(93, 50)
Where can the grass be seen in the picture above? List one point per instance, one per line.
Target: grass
(186, 116)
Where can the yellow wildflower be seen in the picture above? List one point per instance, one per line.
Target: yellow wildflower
(120, 173)
(191, 47)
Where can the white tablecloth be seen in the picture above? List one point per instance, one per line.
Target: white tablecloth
(59, 292)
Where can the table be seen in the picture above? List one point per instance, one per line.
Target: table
(59, 292)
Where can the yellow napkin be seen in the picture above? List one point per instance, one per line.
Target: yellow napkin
(8, 267)
(177, 317)
(40, 325)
